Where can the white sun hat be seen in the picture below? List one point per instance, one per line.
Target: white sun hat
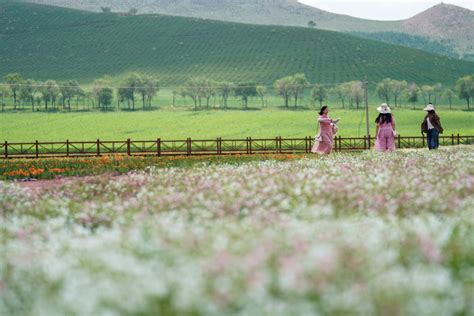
(429, 107)
(384, 109)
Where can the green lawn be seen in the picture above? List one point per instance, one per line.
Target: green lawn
(171, 123)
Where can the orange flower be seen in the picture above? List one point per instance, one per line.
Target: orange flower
(56, 170)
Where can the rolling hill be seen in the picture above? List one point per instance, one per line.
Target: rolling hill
(448, 25)
(44, 42)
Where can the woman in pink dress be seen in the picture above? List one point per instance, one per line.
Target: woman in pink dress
(326, 134)
(385, 131)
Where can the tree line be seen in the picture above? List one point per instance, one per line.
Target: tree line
(140, 88)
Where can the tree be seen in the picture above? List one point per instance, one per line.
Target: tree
(4, 93)
(105, 96)
(342, 91)
(427, 92)
(298, 84)
(465, 89)
(283, 88)
(147, 87)
(311, 24)
(449, 95)
(319, 93)
(357, 92)
(106, 9)
(246, 90)
(129, 87)
(133, 11)
(261, 91)
(14, 81)
(207, 90)
(412, 93)
(193, 90)
(384, 90)
(69, 89)
(224, 90)
(50, 92)
(122, 96)
(27, 92)
(102, 91)
(398, 87)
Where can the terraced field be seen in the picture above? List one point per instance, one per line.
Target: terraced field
(45, 42)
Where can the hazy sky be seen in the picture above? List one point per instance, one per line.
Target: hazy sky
(382, 9)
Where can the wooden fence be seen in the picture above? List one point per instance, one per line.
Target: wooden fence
(216, 146)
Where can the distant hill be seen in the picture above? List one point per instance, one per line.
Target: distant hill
(448, 25)
(45, 42)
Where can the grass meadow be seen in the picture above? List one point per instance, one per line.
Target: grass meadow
(181, 123)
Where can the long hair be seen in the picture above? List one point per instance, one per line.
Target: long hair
(384, 118)
(433, 114)
(322, 109)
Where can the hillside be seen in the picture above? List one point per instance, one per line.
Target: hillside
(440, 23)
(45, 42)
(445, 22)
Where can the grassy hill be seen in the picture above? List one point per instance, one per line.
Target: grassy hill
(440, 23)
(45, 42)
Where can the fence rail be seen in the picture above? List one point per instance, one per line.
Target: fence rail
(218, 146)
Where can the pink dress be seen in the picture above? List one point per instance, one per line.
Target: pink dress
(385, 140)
(326, 136)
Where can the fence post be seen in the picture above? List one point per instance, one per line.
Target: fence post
(98, 148)
(188, 146)
(37, 149)
(158, 147)
(67, 147)
(128, 147)
(219, 146)
(399, 139)
(250, 145)
(6, 149)
(452, 139)
(459, 140)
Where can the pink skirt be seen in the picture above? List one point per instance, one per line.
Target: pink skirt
(385, 140)
(324, 147)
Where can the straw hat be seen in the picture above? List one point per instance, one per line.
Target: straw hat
(429, 107)
(384, 109)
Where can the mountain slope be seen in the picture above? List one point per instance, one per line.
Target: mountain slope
(447, 25)
(266, 12)
(445, 22)
(49, 42)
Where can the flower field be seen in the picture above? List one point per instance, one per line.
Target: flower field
(348, 234)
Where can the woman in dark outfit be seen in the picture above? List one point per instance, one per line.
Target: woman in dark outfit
(432, 127)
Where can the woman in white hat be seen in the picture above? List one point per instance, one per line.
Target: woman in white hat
(385, 130)
(432, 127)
